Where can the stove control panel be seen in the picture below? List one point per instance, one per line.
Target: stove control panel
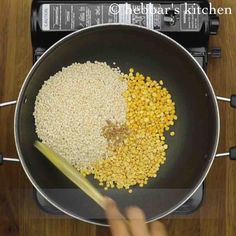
(181, 20)
(53, 19)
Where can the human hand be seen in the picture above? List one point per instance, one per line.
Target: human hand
(136, 219)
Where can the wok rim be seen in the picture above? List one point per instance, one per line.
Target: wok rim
(28, 78)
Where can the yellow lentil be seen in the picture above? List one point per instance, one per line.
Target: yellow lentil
(150, 112)
(131, 70)
(165, 146)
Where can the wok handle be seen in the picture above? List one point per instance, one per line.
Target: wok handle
(4, 104)
(231, 100)
(2, 158)
(232, 152)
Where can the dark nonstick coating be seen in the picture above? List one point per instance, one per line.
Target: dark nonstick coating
(190, 152)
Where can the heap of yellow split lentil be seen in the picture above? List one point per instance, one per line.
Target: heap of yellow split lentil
(150, 112)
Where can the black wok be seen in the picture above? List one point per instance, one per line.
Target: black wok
(190, 153)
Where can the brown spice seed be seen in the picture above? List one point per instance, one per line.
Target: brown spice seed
(115, 133)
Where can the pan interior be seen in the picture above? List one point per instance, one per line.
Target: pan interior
(190, 152)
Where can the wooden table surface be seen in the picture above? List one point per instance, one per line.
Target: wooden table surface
(19, 214)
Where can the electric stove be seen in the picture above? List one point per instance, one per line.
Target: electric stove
(51, 20)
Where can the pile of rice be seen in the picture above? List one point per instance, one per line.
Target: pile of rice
(74, 105)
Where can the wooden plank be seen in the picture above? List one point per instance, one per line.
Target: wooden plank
(19, 214)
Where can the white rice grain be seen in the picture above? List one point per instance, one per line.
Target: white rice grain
(72, 108)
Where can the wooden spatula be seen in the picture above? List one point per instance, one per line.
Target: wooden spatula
(70, 172)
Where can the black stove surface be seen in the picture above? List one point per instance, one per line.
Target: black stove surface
(190, 206)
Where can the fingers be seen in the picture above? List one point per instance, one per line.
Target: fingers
(118, 227)
(158, 229)
(137, 224)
